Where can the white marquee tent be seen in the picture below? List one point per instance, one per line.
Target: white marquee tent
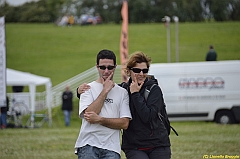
(18, 78)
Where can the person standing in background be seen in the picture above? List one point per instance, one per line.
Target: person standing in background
(3, 115)
(211, 55)
(70, 20)
(67, 105)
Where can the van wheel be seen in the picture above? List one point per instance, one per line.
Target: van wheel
(224, 117)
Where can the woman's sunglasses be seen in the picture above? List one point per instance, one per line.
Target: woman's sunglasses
(108, 67)
(138, 70)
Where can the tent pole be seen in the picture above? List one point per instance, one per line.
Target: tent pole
(32, 98)
(48, 102)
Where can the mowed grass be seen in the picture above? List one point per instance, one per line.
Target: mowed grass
(61, 53)
(195, 140)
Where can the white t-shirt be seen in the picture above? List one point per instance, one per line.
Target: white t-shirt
(116, 105)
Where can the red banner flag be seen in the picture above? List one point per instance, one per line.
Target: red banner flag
(124, 38)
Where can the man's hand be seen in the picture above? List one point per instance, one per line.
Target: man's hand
(108, 84)
(113, 123)
(92, 117)
(98, 103)
(83, 87)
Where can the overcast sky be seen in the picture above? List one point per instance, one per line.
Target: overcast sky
(17, 2)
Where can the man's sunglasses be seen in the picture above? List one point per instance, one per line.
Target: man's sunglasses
(108, 67)
(138, 70)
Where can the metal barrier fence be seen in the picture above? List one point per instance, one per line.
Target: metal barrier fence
(84, 77)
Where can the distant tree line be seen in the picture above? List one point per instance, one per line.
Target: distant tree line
(140, 11)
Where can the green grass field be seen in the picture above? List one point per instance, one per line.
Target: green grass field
(195, 140)
(61, 53)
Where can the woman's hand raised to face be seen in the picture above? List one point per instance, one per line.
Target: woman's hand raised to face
(135, 86)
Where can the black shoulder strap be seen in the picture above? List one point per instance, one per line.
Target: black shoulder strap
(147, 91)
(174, 130)
(124, 85)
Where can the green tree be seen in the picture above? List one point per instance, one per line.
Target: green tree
(53, 7)
(189, 10)
(10, 13)
(34, 13)
(234, 10)
(218, 9)
(161, 8)
(139, 11)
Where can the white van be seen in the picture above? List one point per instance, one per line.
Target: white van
(208, 91)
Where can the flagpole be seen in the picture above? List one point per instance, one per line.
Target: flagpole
(168, 19)
(176, 19)
(124, 39)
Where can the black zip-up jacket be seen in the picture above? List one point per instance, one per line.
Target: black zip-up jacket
(67, 103)
(145, 130)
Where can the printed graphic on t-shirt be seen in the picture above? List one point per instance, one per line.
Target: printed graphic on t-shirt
(107, 100)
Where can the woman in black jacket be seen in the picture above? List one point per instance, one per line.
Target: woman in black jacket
(146, 136)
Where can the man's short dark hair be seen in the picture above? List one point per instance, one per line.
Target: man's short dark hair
(106, 54)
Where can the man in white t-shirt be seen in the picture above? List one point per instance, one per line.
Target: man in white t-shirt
(104, 110)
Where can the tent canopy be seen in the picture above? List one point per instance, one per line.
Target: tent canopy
(18, 78)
